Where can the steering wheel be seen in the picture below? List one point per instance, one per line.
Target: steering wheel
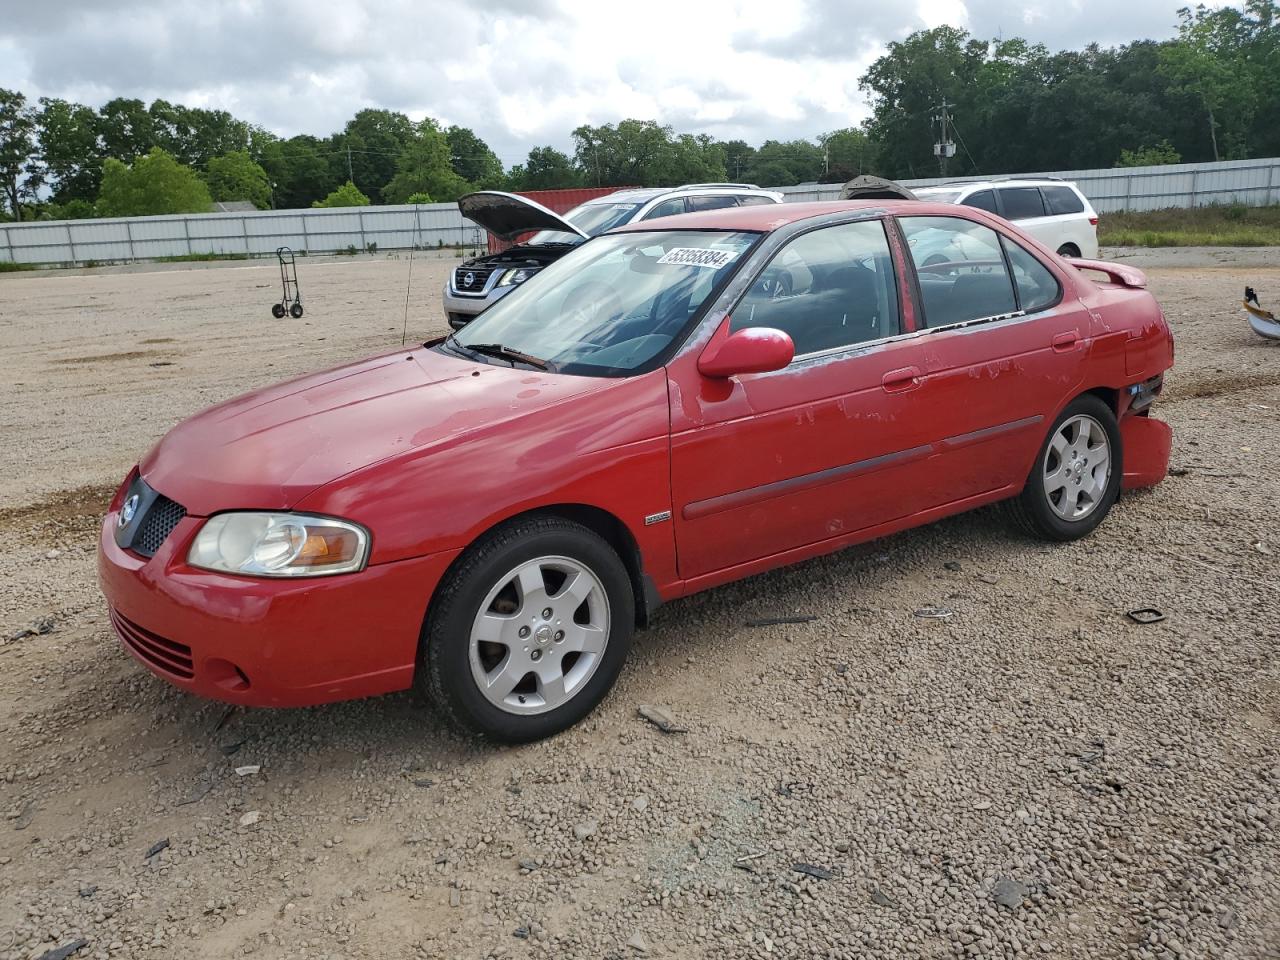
(775, 284)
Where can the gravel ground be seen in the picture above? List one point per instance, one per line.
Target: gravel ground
(1034, 776)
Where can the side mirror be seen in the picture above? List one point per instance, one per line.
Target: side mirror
(753, 350)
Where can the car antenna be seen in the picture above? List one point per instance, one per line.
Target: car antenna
(413, 245)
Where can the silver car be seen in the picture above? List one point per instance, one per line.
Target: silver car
(476, 283)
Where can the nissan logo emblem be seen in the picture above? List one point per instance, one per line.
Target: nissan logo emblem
(127, 510)
(468, 278)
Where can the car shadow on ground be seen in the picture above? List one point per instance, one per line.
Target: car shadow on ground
(836, 586)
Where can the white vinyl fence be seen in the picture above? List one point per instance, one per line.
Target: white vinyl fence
(427, 226)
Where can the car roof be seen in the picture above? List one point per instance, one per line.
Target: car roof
(1002, 182)
(766, 217)
(641, 194)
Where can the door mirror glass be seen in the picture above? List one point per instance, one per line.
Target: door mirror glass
(753, 350)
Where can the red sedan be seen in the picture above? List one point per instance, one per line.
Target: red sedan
(669, 407)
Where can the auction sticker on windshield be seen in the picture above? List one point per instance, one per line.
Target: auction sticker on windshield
(699, 257)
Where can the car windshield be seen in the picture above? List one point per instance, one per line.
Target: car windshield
(592, 219)
(610, 306)
(938, 196)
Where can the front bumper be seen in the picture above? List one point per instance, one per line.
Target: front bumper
(263, 642)
(460, 310)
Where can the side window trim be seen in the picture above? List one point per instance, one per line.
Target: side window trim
(849, 347)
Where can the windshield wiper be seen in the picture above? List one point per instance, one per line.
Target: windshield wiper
(505, 353)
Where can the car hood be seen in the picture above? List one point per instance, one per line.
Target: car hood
(507, 215)
(267, 449)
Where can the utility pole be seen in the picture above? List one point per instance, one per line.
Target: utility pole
(944, 148)
(350, 176)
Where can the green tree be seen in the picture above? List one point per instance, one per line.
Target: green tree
(779, 164)
(347, 195)
(235, 176)
(545, 169)
(848, 154)
(419, 197)
(738, 155)
(70, 149)
(1209, 62)
(1154, 155)
(154, 184)
(368, 149)
(424, 167)
(299, 169)
(906, 86)
(645, 153)
(472, 159)
(127, 129)
(20, 170)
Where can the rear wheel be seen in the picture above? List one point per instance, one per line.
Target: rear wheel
(529, 632)
(277, 310)
(1068, 250)
(1076, 477)
(295, 311)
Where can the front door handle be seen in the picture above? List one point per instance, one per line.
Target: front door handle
(1064, 342)
(901, 380)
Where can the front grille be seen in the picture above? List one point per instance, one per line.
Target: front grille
(159, 522)
(167, 656)
(479, 276)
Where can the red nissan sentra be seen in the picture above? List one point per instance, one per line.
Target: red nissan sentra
(669, 407)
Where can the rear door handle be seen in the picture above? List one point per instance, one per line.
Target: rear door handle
(901, 380)
(1063, 342)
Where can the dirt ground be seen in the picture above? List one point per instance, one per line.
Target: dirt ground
(1034, 776)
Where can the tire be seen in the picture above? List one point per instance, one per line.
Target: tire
(585, 643)
(1060, 502)
(1068, 250)
(295, 311)
(277, 310)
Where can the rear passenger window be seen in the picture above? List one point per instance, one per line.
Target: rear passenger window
(1037, 288)
(667, 208)
(983, 200)
(753, 200)
(961, 270)
(830, 288)
(1061, 200)
(711, 203)
(1021, 203)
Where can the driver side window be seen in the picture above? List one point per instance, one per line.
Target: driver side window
(829, 288)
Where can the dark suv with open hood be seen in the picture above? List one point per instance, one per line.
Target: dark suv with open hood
(480, 281)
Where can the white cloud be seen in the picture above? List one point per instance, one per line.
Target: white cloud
(519, 72)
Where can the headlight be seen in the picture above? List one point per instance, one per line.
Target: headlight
(518, 275)
(279, 545)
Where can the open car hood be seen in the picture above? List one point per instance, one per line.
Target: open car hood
(507, 215)
(868, 187)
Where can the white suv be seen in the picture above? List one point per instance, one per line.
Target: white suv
(1055, 212)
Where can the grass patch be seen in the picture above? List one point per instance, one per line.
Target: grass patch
(8, 266)
(199, 257)
(1227, 225)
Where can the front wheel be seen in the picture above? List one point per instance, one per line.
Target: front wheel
(1076, 477)
(529, 632)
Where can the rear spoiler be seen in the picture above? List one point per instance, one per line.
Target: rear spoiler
(1116, 272)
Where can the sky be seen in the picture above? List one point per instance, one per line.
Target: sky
(520, 73)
